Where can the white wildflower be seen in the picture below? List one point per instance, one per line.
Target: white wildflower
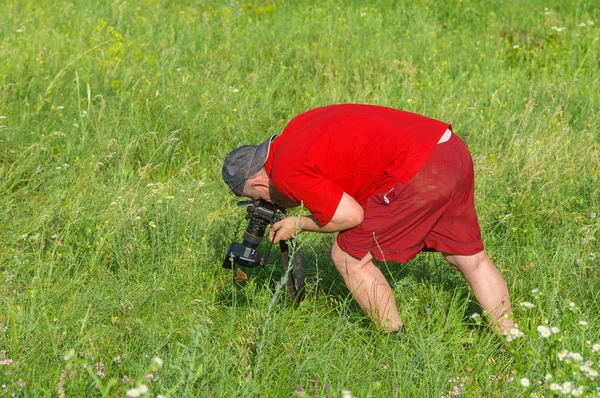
(525, 382)
(583, 323)
(555, 387)
(544, 331)
(534, 291)
(134, 392)
(575, 356)
(69, 355)
(555, 329)
(596, 347)
(558, 29)
(562, 354)
(526, 304)
(143, 389)
(158, 361)
(567, 386)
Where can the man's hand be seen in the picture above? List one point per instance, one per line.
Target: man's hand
(285, 229)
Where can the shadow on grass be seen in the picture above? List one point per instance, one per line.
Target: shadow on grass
(322, 279)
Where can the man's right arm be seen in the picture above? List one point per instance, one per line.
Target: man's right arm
(348, 214)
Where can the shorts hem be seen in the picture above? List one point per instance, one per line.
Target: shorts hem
(405, 255)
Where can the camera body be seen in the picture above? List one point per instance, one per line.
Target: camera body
(260, 214)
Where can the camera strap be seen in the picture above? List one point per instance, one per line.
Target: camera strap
(296, 279)
(264, 259)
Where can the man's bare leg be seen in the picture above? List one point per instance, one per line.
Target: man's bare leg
(370, 288)
(487, 284)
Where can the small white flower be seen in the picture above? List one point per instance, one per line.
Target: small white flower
(2, 117)
(575, 356)
(566, 387)
(582, 24)
(69, 355)
(347, 394)
(584, 368)
(475, 315)
(516, 46)
(544, 331)
(562, 354)
(134, 392)
(548, 377)
(534, 291)
(555, 329)
(555, 387)
(592, 373)
(60, 107)
(527, 304)
(143, 389)
(525, 382)
(590, 22)
(596, 347)
(363, 14)
(583, 323)
(572, 305)
(559, 29)
(158, 361)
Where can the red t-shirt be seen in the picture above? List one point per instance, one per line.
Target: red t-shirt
(357, 149)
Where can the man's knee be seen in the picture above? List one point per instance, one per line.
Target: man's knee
(345, 263)
(466, 264)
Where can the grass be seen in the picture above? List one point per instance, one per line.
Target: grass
(114, 120)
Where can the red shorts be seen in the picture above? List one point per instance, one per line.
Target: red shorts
(434, 211)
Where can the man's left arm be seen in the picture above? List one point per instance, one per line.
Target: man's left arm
(348, 214)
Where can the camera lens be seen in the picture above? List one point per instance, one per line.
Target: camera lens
(254, 233)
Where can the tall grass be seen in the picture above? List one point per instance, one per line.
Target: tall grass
(114, 120)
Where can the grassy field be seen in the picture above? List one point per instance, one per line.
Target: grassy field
(114, 120)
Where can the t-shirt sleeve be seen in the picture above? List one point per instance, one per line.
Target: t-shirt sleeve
(318, 194)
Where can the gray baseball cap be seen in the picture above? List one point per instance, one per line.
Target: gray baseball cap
(243, 162)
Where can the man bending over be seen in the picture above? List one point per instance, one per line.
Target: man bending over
(392, 183)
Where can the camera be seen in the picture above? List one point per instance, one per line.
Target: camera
(260, 214)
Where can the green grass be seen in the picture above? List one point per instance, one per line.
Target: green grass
(115, 118)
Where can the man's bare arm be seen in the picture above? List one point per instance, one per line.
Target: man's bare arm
(348, 214)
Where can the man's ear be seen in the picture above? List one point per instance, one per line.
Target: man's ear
(258, 181)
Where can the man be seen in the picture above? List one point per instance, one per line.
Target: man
(392, 183)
